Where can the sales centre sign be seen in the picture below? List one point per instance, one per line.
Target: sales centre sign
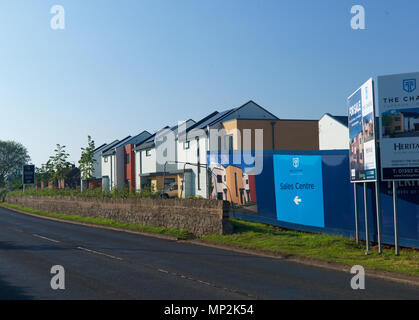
(299, 189)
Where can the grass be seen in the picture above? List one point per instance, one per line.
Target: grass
(96, 193)
(180, 234)
(324, 247)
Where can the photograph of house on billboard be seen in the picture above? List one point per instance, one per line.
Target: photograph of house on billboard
(398, 98)
(400, 123)
(231, 183)
(362, 133)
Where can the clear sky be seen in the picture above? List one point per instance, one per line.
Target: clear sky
(121, 67)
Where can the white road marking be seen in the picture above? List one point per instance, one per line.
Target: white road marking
(100, 253)
(45, 238)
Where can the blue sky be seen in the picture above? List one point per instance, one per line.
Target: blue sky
(120, 67)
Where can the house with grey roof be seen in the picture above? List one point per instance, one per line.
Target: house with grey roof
(156, 161)
(114, 161)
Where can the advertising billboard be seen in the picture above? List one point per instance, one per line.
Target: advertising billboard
(299, 189)
(28, 175)
(398, 98)
(361, 123)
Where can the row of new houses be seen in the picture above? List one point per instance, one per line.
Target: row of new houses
(133, 161)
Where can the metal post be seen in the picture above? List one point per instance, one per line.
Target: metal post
(378, 204)
(367, 240)
(356, 215)
(396, 227)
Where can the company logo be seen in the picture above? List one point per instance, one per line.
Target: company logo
(409, 85)
(296, 163)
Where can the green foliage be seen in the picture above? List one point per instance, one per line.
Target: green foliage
(94, 192)
(3, 194)
(318, 246)
(58, 165)
(13, 156)
(87, 160)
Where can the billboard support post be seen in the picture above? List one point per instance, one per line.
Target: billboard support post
(367, 240)
(356, 215)
(396, 227)
(377, 200)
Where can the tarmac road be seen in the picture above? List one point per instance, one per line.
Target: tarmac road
(108, 264)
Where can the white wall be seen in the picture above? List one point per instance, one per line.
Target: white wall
(148, 163)
(137, 171)
(191, 155)
(332, 134)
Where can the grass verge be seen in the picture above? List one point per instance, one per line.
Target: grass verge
(180, 234)
(257, 236)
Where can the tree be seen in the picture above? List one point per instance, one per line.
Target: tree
(13, 155)
(87, 161)
(58, 164)
(44, 173)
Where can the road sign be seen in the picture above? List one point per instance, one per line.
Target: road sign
(28, 174)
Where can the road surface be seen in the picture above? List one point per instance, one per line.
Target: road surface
(108, 264)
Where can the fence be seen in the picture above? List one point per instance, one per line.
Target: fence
(332, 209)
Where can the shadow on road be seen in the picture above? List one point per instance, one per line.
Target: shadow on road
(10, 292)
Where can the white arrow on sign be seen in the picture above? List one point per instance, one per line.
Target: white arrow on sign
(297, 200)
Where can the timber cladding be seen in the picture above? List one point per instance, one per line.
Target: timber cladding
(199, 216)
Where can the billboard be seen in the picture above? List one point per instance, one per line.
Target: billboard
(398, 98)
(28, 175)
(361, 123)
(299, 189)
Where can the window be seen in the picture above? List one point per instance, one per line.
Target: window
(235, 182)
(398, 128)
(127, 158)
(186, 145)
(148, 153)
(247, 181)
(219, 179)
(105, 159)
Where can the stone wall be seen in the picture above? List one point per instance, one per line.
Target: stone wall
(200, 217)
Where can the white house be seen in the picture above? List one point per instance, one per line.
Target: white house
(194, 143)
(333, 132)
(109, 170)
(114, 162)
(156, 162)
(97, 155)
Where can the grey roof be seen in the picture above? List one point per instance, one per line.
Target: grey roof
(140, 138)
(341, 119)
(100, 148)
(111, 150)
(217, 117)
(109, 146)
(149, 143)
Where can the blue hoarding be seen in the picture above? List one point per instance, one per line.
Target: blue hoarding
(299, 189)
